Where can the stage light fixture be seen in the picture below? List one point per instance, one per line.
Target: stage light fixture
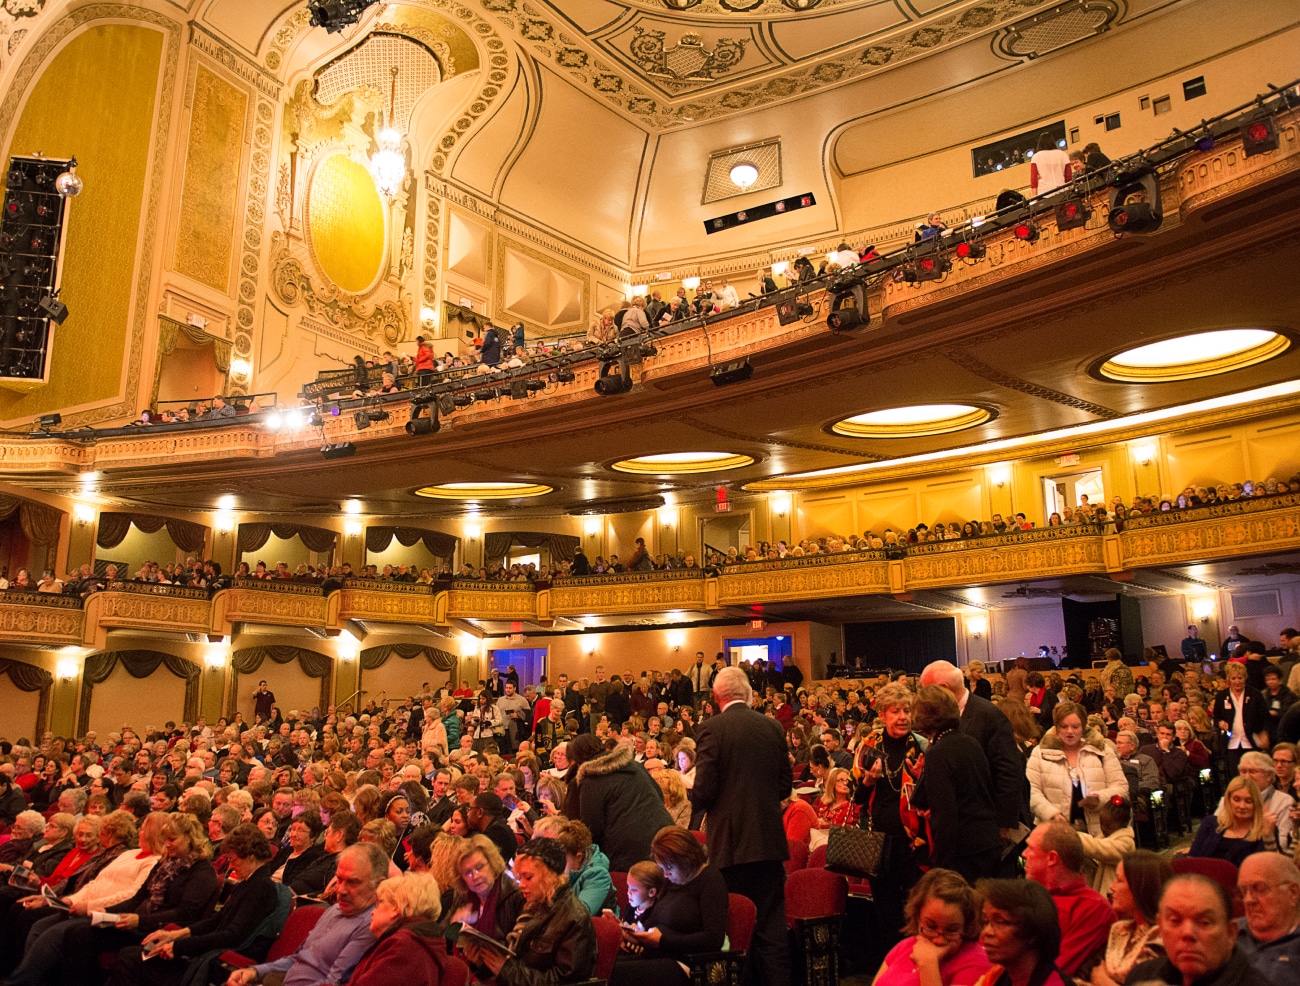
(615, 377)
(56, 310)
(518, 390)
(1073, 213)
(1135, 205)
(565, 376)
(848, 309)
(737, 371)
(484, 396)
(1259, 136)
(335, 15)
(47, 421)
(1027, 231)
(446, 403)
(463, 400)
(422, 423)
(316, 421)
(967, 250)
(930, 268)
(340, 450)
(362, 420)
(535, 385)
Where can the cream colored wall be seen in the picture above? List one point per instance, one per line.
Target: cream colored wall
(416, 556)
(399, 679)
(293, 689)
(291, 551)
(143, 703)
(138, 547)
(17, 711)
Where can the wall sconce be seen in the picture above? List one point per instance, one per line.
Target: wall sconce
(428, 316)
(690, 283)
(214, 658)
(589, 647)
(83, 513)
(352, 507)
(1000, 476)
(592, 527)
(473, 531)
(676, 638)
(352, 528)
(780, 504)
(1144, 453)
(240, 369)
(349, 646)
(780, 267)
(67, 669)
(977, 625)
(223, 522)
(667, 516)
(469, 646)
(1203, 609)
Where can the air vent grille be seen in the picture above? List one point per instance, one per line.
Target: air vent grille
(765, 156)
(1248, 604)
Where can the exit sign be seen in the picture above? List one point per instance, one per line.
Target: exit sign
(1072, 459)
(757, 624)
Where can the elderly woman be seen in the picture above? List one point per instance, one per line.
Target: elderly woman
(484, 896)
(253, 900)
(553, 940)
(1237, 829)
(26, 829)
(942, 929)
(676, 799)
(41, 859)
(400, 954)
(85, 841)
(301, 853)
(1070, 774)
(886, 767)
(587, 868)
(1135, 896)
(956, 787)
(690, 914)
(1021, 934)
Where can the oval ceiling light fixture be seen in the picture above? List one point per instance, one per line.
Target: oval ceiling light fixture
(683, 463)
(744, 175)
(483, 491)
(1188, 357)
(913, 421)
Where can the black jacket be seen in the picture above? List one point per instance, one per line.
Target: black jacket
(11, 803)
(957, 789)
(742, 774)
(1254, 713)
(985, 723)
(622, 806)
(554, 945)
(249, 904)
(186, 898)
(1238, 972)
(295, 868)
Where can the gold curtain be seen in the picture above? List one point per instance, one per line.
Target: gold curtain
(169, 331)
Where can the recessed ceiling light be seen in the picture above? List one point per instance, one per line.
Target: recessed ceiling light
(1201, 354)
(743, 175)
(913, 421)
(684, 463)
(483, 491)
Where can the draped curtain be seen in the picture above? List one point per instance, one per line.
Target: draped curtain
(186, 535)
(377, 657)
(30, 678)
(138, 664)
(314, 665)
(169, 332)
(40, 523)
(254, 536)
(440, 545)
(497, 545)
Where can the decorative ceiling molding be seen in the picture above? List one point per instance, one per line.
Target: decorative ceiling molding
(981, 369)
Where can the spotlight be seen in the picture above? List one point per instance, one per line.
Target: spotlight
(487, 395)
(1073, 213)
(56, 310)
(615, 378)
(362, 420)
(1205, 143)
(335, 410)
(335, 15)
(379, 415)
(565, 376)
(446, 403)
(463, 400)
(1027, 231)
(518, 390)
(1135, 203)
(47, 421)
(848, 310)
(316, 421)
(422, 425)
(737, 371)
(931, 268)
(967, 250)
(341, 450)
(1259, 136)
(535, 385)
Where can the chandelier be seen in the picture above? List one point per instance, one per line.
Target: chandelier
(388, 162)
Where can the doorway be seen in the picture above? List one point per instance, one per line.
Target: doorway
(775, 651)
(723, 531)
(530, 662)
(1060, 492)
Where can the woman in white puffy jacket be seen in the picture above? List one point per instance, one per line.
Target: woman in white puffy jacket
(1071, 774)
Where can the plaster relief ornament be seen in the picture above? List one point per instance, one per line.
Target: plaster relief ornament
(688, 63)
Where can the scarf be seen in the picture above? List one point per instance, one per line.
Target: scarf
(171, 868)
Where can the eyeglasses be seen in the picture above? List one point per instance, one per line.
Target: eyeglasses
(1245, 890)
(934, 931)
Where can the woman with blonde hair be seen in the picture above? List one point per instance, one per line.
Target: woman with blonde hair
(1237, 829)
(675, 797)
(836, 807)
(485, 897)
(1071, 772)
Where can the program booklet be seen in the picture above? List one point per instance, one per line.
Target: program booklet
(484, 941)
(53, 899)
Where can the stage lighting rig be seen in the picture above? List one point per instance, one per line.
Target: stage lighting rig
(335, 15)
(1135, 205)
(422, 423)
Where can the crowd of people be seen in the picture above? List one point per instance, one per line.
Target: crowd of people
(1010, 809)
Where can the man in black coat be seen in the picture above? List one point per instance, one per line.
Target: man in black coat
(742, 774)
(985, 722)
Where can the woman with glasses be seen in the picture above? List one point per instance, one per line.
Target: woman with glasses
(942, 944)
(1021, 934)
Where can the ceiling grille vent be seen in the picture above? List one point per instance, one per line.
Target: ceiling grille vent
(765, 156)
(1248, 604)
(1063, 25)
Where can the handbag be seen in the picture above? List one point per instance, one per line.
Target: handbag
(856, 851)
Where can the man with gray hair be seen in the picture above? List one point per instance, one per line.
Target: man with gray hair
(742, 774)
(342, 935)
(989, 726)
(1269, 885)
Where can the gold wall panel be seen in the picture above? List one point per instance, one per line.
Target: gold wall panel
(39, 624)
(818, 581)
(94, 101)
(345, 218)
(650, 596)
(1009, 562)
(491, 604)
(210, 190)
(381, 603)
(1234, 529)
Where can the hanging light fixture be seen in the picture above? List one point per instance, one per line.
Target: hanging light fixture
(388, 163)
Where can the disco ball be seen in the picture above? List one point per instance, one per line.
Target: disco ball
(69, 184)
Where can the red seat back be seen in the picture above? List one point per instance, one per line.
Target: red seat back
(700, 837)
(741, 916)
(620, 888)
(798, 855)
(296, 929)
(1219, 870)
(454, 972)
(817, 858)
(609, 935)
(815, 894)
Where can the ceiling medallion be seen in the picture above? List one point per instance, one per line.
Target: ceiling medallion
(913, 421)
(483, 491)
(1188, 357)
(683, 463)
(687, 63)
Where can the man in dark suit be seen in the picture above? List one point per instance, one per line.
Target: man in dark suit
(986, 723)
(742, 773)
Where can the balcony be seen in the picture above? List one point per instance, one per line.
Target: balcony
(1240, 529)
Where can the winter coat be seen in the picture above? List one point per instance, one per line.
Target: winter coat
(1050, 788)
(622, 806)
